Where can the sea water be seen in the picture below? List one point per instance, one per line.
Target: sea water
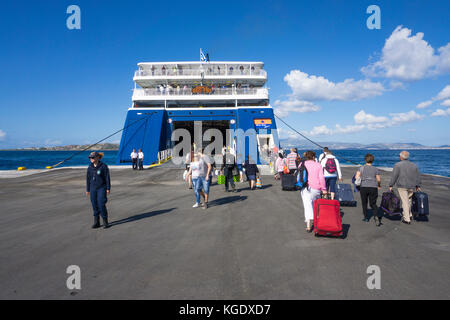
(429, 161)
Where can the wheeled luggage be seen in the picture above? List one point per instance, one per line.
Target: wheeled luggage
(390, 204)
(344, 194)
(420, 204)
(288, 182)
(327, 218)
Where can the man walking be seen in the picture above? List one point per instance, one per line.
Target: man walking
(406, 177)
(134, 157)
(291, 160)
(228, 166)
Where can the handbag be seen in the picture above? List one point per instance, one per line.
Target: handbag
(235, 171)
(258, 183)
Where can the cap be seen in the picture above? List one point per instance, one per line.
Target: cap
(94, 154)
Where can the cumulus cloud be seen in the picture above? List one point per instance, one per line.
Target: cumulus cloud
(424, 104)
(285, 134)
(366, 121)
(409, 57)
(365, 118)
(444, 94)
(441, 113)
(446, 103)
(2, 135)
(283, 108)
(314, 88)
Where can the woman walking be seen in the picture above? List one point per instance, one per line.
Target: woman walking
(251, 170)
(98, 186)
(196, 169)
(279, 164)
(316, 185)
(370, 184)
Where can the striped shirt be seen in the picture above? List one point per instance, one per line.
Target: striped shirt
(290, 159)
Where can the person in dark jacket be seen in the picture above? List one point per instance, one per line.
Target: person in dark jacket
(228, 165)
(251, 170)
(98, 186)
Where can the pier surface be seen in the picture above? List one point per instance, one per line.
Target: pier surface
(247, 245)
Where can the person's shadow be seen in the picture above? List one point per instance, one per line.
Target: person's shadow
(225, 200)
(140, 216)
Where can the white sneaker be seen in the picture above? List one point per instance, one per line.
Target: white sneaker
(195, 205)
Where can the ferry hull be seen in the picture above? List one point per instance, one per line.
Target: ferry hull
(151, 130)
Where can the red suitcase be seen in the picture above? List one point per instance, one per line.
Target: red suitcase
(327, 218)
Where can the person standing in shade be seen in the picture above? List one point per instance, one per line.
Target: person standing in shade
(98, 186)
(406, 177)
(134, 157)
(370, 184)
(228, 165)
(316, 185)
(141, 159)
(331, 172)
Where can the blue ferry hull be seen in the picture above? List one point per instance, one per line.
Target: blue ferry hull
(151, 129)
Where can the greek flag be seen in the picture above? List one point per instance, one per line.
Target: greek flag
(202, 56)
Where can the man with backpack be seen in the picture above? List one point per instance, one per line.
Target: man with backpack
(331, 172)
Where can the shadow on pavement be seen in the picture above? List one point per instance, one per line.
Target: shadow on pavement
(225, 200)
(140, 216)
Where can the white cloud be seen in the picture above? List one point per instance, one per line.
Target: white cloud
(424, 104)
(444, 94)
(446, 103)
(285, 134)
(2, 135)
(320, 131)
(366, 121)
(314, 88)
(283, 108)
(441, 113)
(365, 118)
(399, 118)
(409, 57)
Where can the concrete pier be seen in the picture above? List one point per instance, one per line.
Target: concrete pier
(247, 245)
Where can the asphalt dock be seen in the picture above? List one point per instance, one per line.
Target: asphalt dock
(247, 245)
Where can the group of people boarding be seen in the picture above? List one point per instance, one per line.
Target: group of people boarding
(324, 172)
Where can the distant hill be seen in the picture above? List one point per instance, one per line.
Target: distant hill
(304, 144)
(76, 147)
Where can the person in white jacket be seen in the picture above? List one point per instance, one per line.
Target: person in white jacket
(331, 172)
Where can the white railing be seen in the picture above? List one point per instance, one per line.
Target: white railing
(187, 91)
(207, 71)
(164, 155)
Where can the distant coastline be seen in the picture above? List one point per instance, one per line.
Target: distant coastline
(73, 147)
(285, 143)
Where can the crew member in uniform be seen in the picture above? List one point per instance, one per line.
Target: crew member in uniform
(141, 160)
(134, 157)
(98, 186)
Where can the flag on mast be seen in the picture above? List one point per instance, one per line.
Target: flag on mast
(202, 56)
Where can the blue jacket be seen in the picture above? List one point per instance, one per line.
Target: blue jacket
(97, 177)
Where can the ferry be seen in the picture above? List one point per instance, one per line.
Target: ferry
(229, 96)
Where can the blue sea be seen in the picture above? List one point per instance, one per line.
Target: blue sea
(428, 161)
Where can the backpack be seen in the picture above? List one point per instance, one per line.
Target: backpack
(330, 165)
(302, 176)
(285, 167)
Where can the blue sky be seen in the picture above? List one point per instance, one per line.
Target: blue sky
(61, 86)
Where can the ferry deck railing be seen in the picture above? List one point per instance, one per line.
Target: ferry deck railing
(207, 71)
(186, 91)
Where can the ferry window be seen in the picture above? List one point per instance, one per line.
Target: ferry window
(254, 103)
(201, 104)
(150, 104)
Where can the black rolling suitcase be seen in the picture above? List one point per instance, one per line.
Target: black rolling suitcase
(420, 204)
(288, 182)
(344, 194)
